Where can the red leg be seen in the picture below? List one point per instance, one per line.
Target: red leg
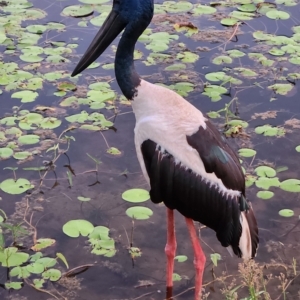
(199, 258)
(170, 250)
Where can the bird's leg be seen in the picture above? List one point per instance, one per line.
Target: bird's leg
(199, 258)
(170, 250)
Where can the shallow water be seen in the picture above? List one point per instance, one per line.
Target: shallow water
(52, 205)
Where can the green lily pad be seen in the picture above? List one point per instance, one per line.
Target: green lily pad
(265, 171)
(25, 96)
(187, 57)
(22, 155)
(235, 53)
(181, 258)
(28, 139)
(77, 11)
(222, 59)
(277, 14)
(13, 285)
(215, 257)
(266, 183)
(113, 151)
(268, 130)
(13, 187)
(10, 257)
(176, 277)
(35, 268)
(229, 21)
(297, 148)
(52, 274)
(265, 195)
(84, 199)
(287, 213)
(281, 88)
(6, 153)
(203, 10)
(290, 185)
(246, 152)
(21, 272)
(74, 228)
(47, 262)
(42, 244)
(136, 195)
(139, 212)
(175, 67)
(38, 29)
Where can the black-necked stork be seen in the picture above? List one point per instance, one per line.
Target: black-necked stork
(184, 158)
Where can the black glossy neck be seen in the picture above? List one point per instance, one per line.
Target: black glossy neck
(127, 77)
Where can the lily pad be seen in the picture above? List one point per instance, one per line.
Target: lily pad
(246, 152)
(290, 185)
(78, 11)
(6, 153)
(265, 195)
(15, 187)
(75, 228)
(52, 274)
(287, 213)
(181, 258)
(136, 195)
(265, 171)
(25, 96)
(10, 257)
(277, 14)
(28, 139)
(139, 212)
(222, 59)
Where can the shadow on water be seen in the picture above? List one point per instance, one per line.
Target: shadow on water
(52, 205)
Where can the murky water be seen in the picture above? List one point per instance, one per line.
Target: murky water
(51, 207)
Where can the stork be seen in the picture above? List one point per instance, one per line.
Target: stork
(187, 162)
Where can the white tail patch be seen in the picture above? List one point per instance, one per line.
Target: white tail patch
(245, 243)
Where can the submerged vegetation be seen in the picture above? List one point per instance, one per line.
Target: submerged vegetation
(72, 195)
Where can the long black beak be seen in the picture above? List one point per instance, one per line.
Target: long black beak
(110, 29)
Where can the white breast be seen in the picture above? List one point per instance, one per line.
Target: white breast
(166, 118)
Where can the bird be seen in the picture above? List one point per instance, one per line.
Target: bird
(187, 162)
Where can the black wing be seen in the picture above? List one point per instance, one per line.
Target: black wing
(218, 157)
(193, 196)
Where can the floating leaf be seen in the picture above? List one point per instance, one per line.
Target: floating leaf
(246, 152)
(281, 88)
(203, 10)
(265, 195)
(229, 21)
(10, 257)
(268, 130)
(42, 244)
(84, 199)
(176, 277)
(47, 262)
(52, 274)
(113, 151)
(6, 153)
(215, 257)
(35, 268)
(222, 59)
(25, 96)
(74, 228)
(266, 183)
(290, 185)
(181, 258)
(139, 212)
(265, 171)
(136, 195)
(277, 14)
(13, 285)
(287, 213)
(175, 67)
(28, 139)
(13, 187)
(77, 11)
